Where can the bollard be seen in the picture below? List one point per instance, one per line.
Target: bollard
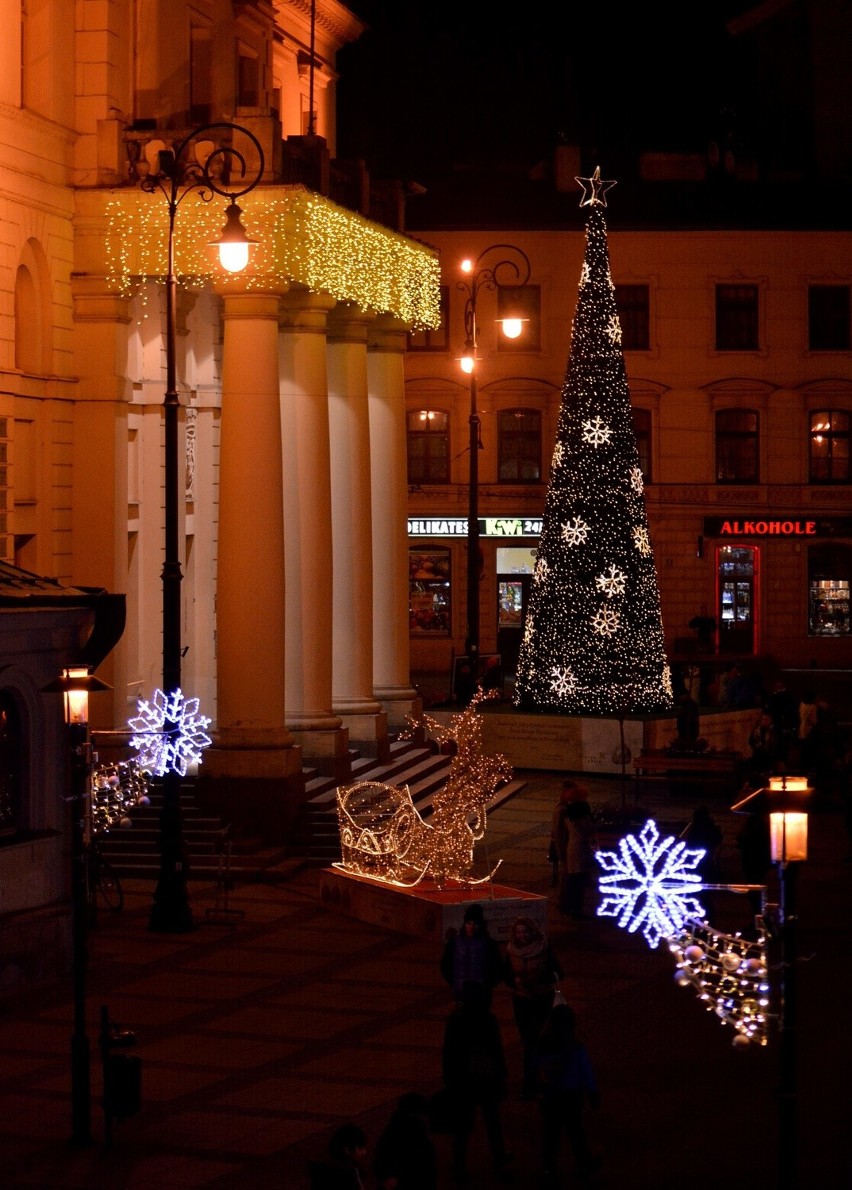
(122, 1075)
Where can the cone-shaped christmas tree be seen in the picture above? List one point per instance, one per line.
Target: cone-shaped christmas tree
(593, 639)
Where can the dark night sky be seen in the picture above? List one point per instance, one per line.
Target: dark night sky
(433, 84)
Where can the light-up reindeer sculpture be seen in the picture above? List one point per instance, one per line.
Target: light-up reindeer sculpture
(383, 835)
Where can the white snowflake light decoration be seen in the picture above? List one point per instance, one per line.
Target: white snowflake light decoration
(611, 582)
(637, 480)
(612, 330)
(605, 621)
(170, 733)
(575, 532)
(651, 883)
(596, 432)
(563, 682)
(642, 541)
(667, 678)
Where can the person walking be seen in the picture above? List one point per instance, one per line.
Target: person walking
(471, 955)
(346, 1166)
(405, 1157)
(474, 1069)
(567, 1082)
(579, 859)
(533, 973)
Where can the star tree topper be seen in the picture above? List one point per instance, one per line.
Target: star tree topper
(594, 188)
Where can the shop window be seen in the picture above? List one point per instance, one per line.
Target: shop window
(829, 573)
(737, 312)
(428, 446)
(10, 764)
(829, 447)
(736, 569)
(828, 318)
(429, 592)
(436, 339)
(737, 445)
(519, 446)
(634, 312)
(642, 431)
(524, 302)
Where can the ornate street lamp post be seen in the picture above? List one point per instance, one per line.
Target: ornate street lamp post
(509, 271)
(75, 685)
(222, 172)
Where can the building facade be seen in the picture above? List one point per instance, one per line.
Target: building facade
(737, 350)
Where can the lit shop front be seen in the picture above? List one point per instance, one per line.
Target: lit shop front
(813, 555)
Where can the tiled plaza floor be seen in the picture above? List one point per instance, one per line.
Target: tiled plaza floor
(259, 1037)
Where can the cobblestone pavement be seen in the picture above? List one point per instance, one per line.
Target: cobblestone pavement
(260, 1034)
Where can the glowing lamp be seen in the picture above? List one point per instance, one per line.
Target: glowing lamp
(233, 243)
(75, 684)
(466, 265)
(467, 362)
(512, 327)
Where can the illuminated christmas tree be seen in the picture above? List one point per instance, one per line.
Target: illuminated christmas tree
(593, 638)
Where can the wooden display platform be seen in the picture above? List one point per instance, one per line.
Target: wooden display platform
(426, 910)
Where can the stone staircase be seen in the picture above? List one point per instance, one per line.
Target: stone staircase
(217, 850)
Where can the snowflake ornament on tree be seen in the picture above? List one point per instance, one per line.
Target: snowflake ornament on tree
(642, 541)
(651, 883)
(575, 532)
(611, 582)
(563, 683)
(596, 432)
(170, 733)
(605, 621)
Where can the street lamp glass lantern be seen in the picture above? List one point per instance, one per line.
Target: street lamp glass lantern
(233, 243)
(788, 819)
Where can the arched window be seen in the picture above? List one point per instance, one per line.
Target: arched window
(519, 446)
(10, 763)
(829, 446)
(642, 430)
(737, 446)
(428, 446)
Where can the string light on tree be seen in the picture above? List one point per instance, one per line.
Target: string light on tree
(595, 539)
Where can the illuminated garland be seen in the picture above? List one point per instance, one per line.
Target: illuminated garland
(116, 789)
(593, 638)
(383, 836)
(302, 238)
(729, 974)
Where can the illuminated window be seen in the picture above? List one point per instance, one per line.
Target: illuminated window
(828, 318)
(433, 340)
(737, 318)
(829, 447)
(520, 301)
(519, 446)
(829, 573)
(428, 446)
(634, 314)
(736, 446)
(642, 430)
(429, 592)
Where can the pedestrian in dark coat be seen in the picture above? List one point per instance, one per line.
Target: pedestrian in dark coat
(567, 1082)
(532, 972)
(474, 1066)
(472, 955)
(405, 1152)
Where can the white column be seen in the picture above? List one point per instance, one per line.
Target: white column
(385, 379)
(352, 602)
(252, 740)
(303, 386)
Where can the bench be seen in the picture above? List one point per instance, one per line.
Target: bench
(700, 768)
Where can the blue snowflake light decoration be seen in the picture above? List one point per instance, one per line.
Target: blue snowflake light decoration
(170, 733)
(650, 883)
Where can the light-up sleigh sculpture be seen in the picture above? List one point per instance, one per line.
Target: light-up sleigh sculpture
(383, 836)
(650, 884)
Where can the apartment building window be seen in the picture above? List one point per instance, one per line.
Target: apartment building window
(519, 446)
(437, 339)
(200, 74)
(829, 318)
(520, 301)
(248, 77)
(634, 313)
(829, 446)
(428, 446)
(642, 431)
(737, 322)
(737, 444)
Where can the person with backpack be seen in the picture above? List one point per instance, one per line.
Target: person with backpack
(475, 1071)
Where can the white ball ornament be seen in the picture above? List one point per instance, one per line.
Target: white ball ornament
(682, 978)
(754, 966)
(729, 961)
(694, 953)
(125, 823)
(740, 1041)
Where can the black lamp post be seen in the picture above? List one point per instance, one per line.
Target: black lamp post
(75, 684)
(509, 271)
(224, 173)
